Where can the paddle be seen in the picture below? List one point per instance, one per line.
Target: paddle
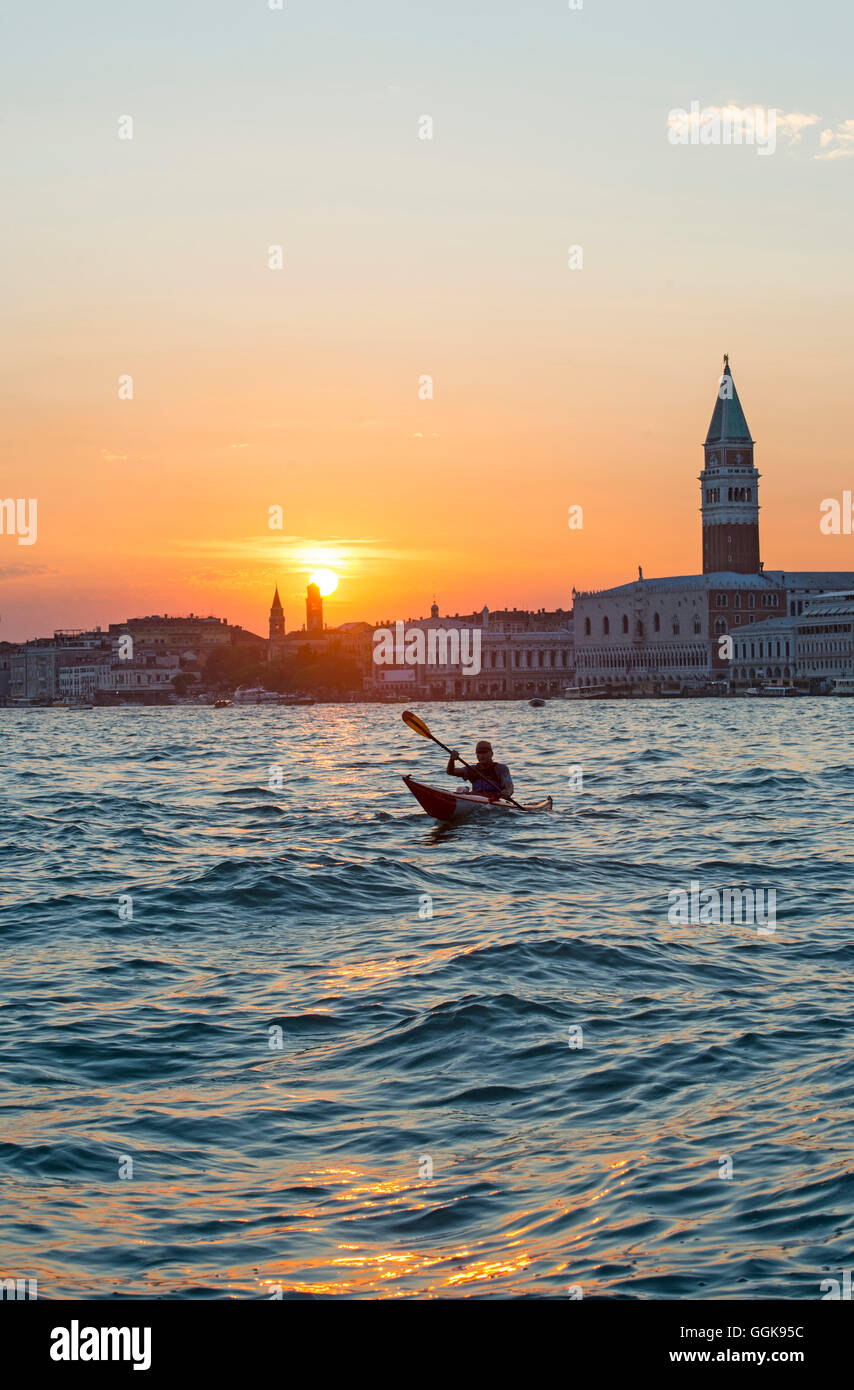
(419, 727)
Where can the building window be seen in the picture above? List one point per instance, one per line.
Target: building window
(656, 622)
(720, 625)
(737, 619)
(751, 600)
(606, 627)
(736, 600)
(586, 627)
(625, 623)
(675, 627)
(696, 625)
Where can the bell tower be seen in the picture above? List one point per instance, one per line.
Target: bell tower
(729, 487)
(277, 619)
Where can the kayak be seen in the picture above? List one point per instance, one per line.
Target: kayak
(443, 805)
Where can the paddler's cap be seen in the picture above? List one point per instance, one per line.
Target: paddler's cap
(482, 746)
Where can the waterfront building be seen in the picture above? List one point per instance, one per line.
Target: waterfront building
(764, 652)
(34, 666)
(666, 630)
(519, 654)
(190, 634)
(810, 648)
(144, 676)
(83, 680)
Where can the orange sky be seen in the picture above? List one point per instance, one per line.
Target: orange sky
(298, 387)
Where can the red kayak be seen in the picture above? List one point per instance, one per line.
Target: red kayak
(444, 805)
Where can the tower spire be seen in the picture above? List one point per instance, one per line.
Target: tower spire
(728, 423)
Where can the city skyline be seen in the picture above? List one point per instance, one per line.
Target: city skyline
(331, 561)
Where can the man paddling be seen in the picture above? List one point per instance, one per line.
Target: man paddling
(487, 778)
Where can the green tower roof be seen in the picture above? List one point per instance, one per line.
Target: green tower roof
(728, 424)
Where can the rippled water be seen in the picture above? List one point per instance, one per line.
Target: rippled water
(407, 1040)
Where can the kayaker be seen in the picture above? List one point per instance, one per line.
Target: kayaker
(498, 774)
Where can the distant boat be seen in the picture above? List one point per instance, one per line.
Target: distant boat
(843, 685)
(536, 704)
(255, 695)
(221, 704)
(297, 700)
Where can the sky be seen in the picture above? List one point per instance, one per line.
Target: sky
(403, 258)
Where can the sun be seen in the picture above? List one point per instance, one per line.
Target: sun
(326, 581)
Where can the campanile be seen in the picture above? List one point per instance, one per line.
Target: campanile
(729, 487)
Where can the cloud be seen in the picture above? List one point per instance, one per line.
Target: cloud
(792, 125)
(25, 571)
(298, 552)
(841, 140)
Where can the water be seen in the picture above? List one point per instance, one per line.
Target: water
(409, 1040)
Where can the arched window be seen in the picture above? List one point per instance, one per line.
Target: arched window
(736, 600)
(586, 627)
(606, 627)
(722, 601)
(675, 627)
(625, 623)
(656, 622)
(720, 625)
(696, 625)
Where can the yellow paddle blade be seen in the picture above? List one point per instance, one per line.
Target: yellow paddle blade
(417, 725)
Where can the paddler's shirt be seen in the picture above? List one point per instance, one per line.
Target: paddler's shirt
(499, 773)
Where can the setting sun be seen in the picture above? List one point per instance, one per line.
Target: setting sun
(326, 581)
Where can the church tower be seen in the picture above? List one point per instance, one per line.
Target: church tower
(729, 487)
(314, 610)
(277, 619)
